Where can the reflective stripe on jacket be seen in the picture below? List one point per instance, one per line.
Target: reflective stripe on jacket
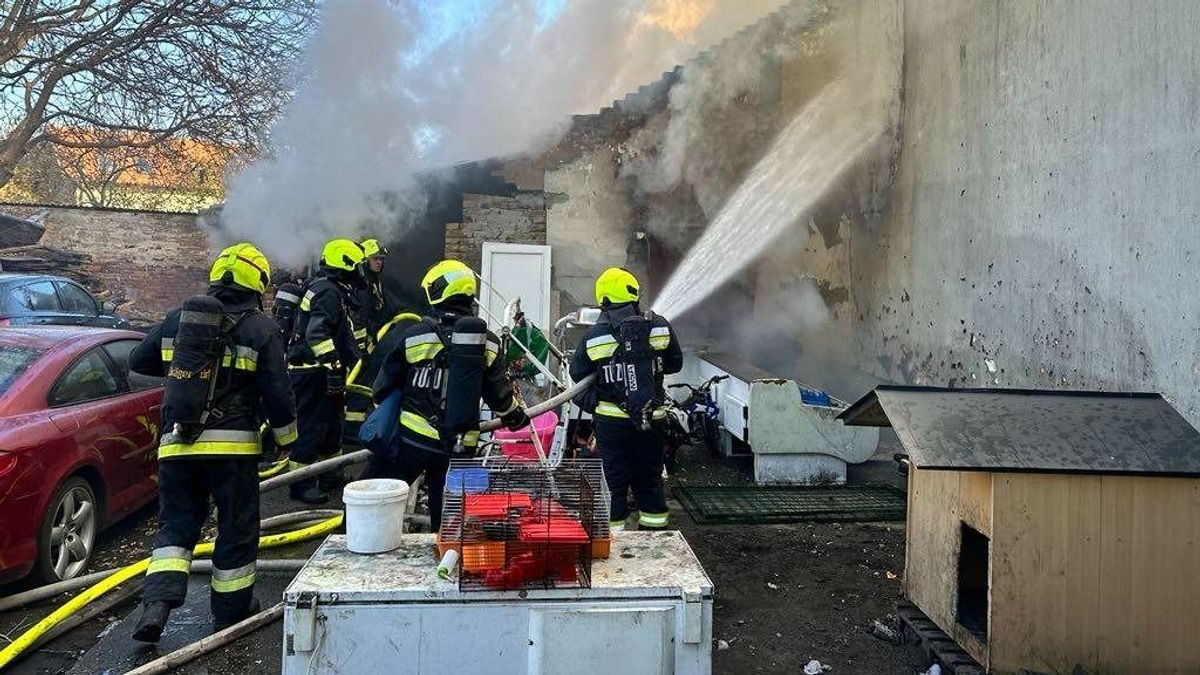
(418, 365)
(595, 352)
(252, 386)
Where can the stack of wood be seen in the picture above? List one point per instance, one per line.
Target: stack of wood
(38, 259)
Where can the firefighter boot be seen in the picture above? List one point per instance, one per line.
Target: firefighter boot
(253, 608)
(308, 492)
(150, 626)
(332, 481)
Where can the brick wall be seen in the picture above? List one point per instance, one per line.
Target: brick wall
(147, 262)
(519, 219)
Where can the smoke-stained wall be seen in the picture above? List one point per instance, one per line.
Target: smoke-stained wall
(1042, 230)
(1026, 218)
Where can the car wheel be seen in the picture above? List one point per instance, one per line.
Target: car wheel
(68, 533)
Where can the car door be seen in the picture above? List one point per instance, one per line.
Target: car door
(81, 304)
(44, 305)
(89, 403)
(142, 405)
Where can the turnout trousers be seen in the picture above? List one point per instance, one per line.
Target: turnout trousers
(411, 461)
(319, 420)
(185, 486)
(633, 459)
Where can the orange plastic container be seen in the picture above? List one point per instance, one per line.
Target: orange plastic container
(483, 556)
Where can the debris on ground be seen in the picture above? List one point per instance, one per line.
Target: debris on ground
(884, 632)
(722, 645)
(815, 667)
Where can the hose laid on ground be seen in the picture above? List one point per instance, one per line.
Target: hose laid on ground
(549, 404)
(308, 517)
(275, 469)
(18, 646)
(106, 604)
(211, 643)
(29, 637)
(50, 590)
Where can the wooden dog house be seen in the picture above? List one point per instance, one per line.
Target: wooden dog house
(1049, 530)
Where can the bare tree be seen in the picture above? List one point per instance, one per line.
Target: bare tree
(144, 70)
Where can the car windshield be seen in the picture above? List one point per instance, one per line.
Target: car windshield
(13, 362)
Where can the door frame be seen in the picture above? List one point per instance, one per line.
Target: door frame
(492, 302)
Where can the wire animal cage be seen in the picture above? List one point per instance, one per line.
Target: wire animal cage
(523, 525)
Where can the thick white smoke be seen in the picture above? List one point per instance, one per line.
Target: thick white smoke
(388, 92)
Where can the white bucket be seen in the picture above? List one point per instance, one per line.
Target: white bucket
(374, 514)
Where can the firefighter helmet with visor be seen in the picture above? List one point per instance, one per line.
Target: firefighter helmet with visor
(448, 279)
(616, 286)
(342, 254)
(241, 265)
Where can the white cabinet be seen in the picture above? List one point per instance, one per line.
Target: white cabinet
(649, 610)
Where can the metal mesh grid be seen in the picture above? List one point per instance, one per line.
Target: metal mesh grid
(519, 525)
(754, 504)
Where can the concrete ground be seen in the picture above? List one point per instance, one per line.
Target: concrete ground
(785, 595)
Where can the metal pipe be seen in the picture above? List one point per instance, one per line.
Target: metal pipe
(528, 354)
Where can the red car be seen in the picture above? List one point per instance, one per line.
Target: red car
(78, 440)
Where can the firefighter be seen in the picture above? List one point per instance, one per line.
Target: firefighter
(321, 352)
(629, 352)
(224, 365)
(446, 363)
(370, 305)
(370, 317)
(359, 394)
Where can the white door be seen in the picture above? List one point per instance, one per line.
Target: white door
(513, 271)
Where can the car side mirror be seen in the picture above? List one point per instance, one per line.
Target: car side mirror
(107, 307)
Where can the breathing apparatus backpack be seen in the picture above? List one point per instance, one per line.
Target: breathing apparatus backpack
(286, 308)
(466, 360)
(637, 362)
(199, 348)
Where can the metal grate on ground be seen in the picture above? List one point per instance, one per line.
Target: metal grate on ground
(764, 504)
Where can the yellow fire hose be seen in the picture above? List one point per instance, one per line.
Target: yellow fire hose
(29, 637)
(275, 469)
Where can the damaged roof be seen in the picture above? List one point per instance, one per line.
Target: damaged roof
(1033, 430)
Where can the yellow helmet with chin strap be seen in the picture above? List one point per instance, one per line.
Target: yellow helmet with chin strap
(448, 279)
(241, 265)
(342, 254)
(616, 286)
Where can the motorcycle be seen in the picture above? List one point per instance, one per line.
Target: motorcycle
(693, 421)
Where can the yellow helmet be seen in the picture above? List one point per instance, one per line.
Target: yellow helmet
(447, 279)
(372, 247)
(616, 286)
(241, 265)
(342, 254)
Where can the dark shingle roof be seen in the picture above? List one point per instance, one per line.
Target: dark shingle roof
(1030, 430)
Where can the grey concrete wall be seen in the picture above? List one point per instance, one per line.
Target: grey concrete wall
(587, 224)
(1029, 218)
(1044, 224)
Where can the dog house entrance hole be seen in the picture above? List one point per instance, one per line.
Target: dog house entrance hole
(973, 582)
